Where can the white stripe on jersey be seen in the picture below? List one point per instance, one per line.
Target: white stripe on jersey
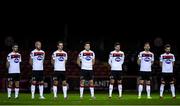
(116, 59)
(59, 60)
(167, 62)
(86, 58)
(14, 60)
(146, 59)
(37, 57)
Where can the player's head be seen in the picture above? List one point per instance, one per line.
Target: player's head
(167, 48)
(87, 45)
(117, 46)
(60, 45)
(147, 46)
(38, 45)
(15, 48)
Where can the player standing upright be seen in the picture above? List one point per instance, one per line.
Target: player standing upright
(167, 62)
(36, 60)
(59, 58)
(116, 60)
(86, 60)
(13, 65)
(145, 60)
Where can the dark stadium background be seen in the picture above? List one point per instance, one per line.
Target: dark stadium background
(132, 36)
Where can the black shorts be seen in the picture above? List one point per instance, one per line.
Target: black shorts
(116, 75)
(59, 75)
(86, 75)
(145, 75)
(167, 77)
(37, 76)
(14, 77)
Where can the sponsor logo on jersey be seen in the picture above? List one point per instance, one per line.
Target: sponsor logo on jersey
(16, 60)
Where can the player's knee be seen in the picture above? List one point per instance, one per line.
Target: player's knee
(10, 84)
(112, 81)
(64, 83)
(17, 84)
(120, 82)
(141, 82)
(82, 82)
(148, 82)
(172, 82)
(55, 82)
(163, 82)
(33, 82)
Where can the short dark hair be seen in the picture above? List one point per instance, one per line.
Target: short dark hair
(87, 43)
(15, 44)
(167, 45)
(146, 43)
(117, 43)
(59, 42)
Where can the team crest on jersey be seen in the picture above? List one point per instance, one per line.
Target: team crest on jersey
(61, 58)
(118, 59)
(16, 60)
(88, 58)
(168, 61)
(147, 59)
(39, 58)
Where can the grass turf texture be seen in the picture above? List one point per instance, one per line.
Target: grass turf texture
(129, 98)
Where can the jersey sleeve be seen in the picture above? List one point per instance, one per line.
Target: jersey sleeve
(161, 58)
(93, 57)
(31, 55)
(53, 56)
(140, 56)
(66, 57)
(152, 57)
(173, 58)
(8, 57)
(20, 59)
(110, 58)
(80, 55)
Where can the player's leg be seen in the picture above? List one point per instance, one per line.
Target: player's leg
(41, 85)
(64, 87)
(172, 87)
(82, 83)
(120, 88)
(9, 89)
(33, 84)
(17, 79)
(140, 86)
(148, 88)
(119, 81)
(91, 83)
(112, 80)
(64, 84)
(111, 86)
(55, 84)
(162, 87)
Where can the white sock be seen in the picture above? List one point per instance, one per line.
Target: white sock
(16, 92)
(140, 89)
(120, 90)
(92, 91)
(173, 90)
(65, 91)
(161, 90)
(110, 90)
(9, 92)
(33, 88)
(81, 91)
(41, 88)
(148, 90)
(55, 91)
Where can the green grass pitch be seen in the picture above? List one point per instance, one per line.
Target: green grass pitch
(129, 98)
